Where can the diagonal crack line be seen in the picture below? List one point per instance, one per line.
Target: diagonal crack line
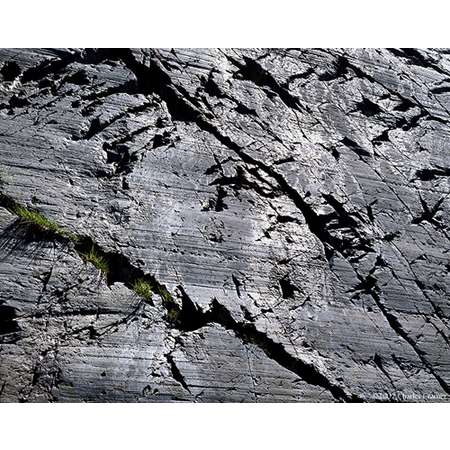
(154, 79)
(177, 101)
(191, 318)
(114, 266)
(176, 374)
(252, 71)
(395, 324)
(308, 372)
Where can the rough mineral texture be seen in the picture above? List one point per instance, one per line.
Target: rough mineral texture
(293, 203)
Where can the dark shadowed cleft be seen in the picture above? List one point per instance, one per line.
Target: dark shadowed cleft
(8, 323)
(368, 108)
(432, 174)
(254, 72)
(10, 71)
(340, 70)
(79, 78)
(355, 147)
(177, 376)
(288, 289)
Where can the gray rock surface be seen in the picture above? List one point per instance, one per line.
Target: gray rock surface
(295, 204)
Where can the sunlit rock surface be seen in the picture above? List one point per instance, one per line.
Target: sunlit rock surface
(295, 203)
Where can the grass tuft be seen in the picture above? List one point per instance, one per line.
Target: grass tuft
(173, 310)
(94, 257)
(37, 219)
(143, 289)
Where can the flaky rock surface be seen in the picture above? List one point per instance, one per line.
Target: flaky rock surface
(295, 203)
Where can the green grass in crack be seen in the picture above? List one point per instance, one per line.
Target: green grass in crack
(143, 289)
(165, 295)
(38, 220)
(94, 257)
(173, 310)
(88, 251)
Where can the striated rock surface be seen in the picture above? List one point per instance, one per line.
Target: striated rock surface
(294, 203)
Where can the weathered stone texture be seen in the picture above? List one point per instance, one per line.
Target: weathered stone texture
(294, 202)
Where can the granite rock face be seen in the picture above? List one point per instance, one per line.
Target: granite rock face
(294, 203)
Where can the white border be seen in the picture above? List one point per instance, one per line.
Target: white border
(236, 23)
(227, 427)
